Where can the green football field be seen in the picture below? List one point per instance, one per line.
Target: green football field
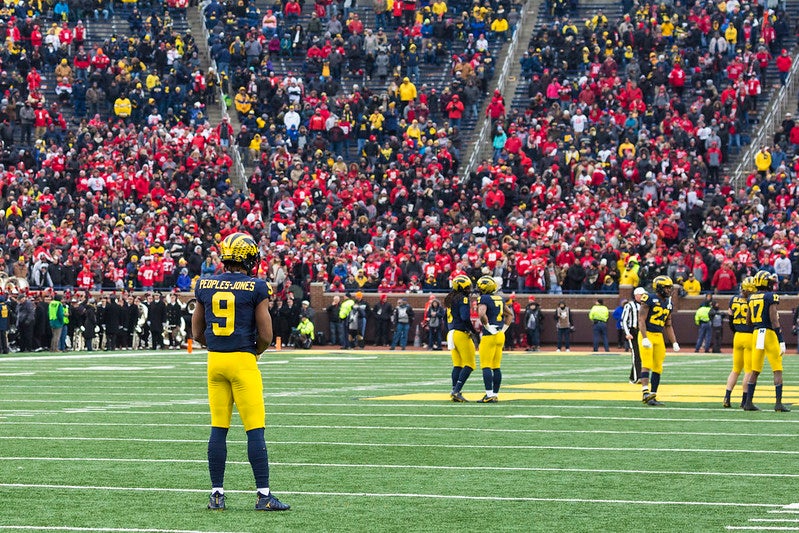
(369, 441)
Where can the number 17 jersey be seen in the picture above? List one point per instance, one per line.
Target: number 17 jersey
(759, 306)
(229, 301)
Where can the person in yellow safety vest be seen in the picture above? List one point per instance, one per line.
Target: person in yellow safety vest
(303, 335)
(344, 314)
(55, 314)
(599, 315)
(702, 319)
(123, 107)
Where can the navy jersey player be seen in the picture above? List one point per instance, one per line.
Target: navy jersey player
(741, 340)
(232, 320)
(495, 317)
(460, 333)
(654, 329)
(767, 341)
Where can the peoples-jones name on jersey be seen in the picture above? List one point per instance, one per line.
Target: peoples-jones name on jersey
(223, 284)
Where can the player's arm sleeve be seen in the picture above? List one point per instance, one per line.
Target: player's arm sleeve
(263, 322)
(198, 323)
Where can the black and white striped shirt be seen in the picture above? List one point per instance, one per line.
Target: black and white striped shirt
(629, 318)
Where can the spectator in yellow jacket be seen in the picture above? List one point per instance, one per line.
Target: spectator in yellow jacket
(692, 286)
(763, 160)
(123, 107)
(407, 91)
(243, 102)
(500, 27)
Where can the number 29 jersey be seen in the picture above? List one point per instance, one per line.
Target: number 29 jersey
(740, 313)
(229, 301)
(658, 312)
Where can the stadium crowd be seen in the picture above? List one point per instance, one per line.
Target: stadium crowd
(610, 175)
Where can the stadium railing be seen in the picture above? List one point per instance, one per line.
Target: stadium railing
(238, 172)
(780, 104)
(485, 130)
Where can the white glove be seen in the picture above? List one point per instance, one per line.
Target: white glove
(451, 339)
(490, 328)
(675, 346)
(505, 328)
(646, 343)
(783, 349)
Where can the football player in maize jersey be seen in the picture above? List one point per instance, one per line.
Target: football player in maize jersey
(767, 341)
(495, 317)
(460, 334)
(741, 340)
(654, 323)
(232, 319)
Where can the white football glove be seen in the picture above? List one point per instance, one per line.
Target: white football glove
(783, 349)
(490, 328)
(505, 328)
(451, 339)
(675, 346)
(646, 343)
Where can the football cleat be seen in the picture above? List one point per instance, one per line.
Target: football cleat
(216, 501)
(488, 399)
(654, 403)
(649, 396)
(726, 404)
(749, 406)
(270, 503)
(457, 397)
(781, 408)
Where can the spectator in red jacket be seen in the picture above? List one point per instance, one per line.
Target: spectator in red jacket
(724, 280)
(784, 62)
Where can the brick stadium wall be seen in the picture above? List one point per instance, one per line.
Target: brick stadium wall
(683, 318)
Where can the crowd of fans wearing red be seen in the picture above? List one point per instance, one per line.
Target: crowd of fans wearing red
(562, 206)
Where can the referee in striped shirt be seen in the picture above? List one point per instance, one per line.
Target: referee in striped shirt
(629, 325)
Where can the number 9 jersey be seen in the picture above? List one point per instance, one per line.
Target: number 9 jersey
(229, 301)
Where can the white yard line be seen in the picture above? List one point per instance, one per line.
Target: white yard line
(425, 467)
(450, 446)
(761, 528)
(397, 495)
(466, 414)
(110, 529)
(414, 428)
